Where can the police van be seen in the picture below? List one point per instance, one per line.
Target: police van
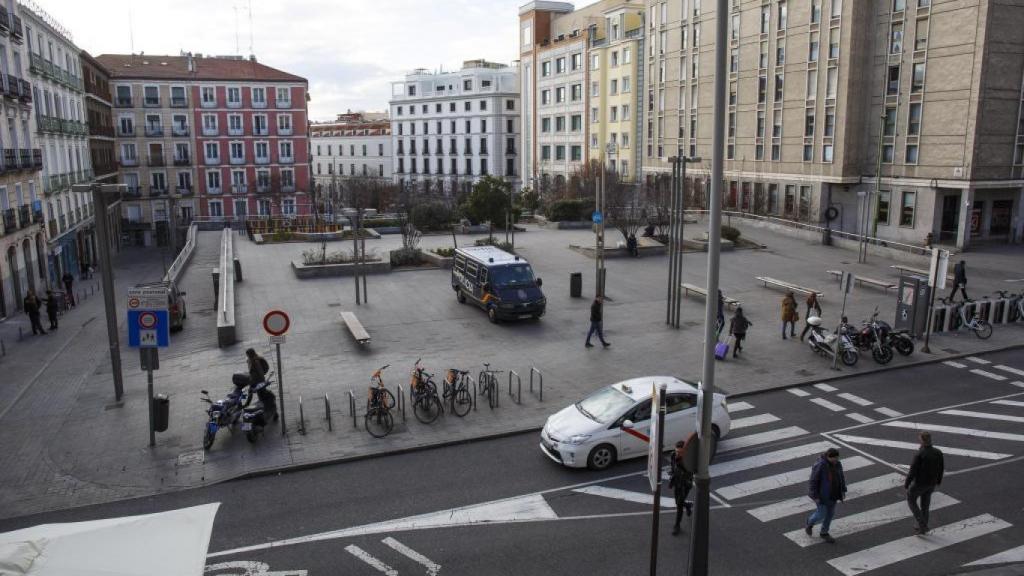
(503, 284)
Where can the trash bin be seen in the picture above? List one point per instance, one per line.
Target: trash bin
(161, 412)
(216, 286)
(576, 284)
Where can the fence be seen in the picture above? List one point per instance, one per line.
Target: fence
(179, 264)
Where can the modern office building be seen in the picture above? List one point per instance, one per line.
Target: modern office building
(356, 144)
(454, 127)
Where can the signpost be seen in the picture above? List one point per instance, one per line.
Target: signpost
(936, 281)
(846, 284)
(149, 329)
(654, 464)
(276, 324)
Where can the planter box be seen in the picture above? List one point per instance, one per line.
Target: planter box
(647, 247)
(302, 271)
(444, 262)
(386, 230)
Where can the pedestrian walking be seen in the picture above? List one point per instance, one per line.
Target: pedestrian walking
(51, 309)
(959, 280)
(813, 306)
(720, 323)
(738, 329)
(826, 487)
(32, 305)
(789, 315)
(69, 282)
(925, 474)
(632, 246)
(681, 480)
(597, 322)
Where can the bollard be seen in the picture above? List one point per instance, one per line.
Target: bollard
(302, 419)
(401, 401)
(327, 409)
(519, 394)
(540, 378)
(352, 409)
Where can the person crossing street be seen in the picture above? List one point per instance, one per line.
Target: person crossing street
(597, 322)
(925, 474)
(826, 487)
(681, 480)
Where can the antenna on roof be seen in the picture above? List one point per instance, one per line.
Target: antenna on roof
(234, 8)
(251, 52)
(131, 32)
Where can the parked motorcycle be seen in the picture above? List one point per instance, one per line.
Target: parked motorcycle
(871, 337)
(900, 340)
(826, 343)
(255, 419)
(222, 413)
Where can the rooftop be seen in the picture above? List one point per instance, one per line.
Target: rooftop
(191, 67)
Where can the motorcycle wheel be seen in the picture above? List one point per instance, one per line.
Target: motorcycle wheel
(251, 436)
(427, 408)
(882, 354)
(905, 346)
(208, 438)
(850, 357)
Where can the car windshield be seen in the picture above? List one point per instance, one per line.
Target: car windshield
(605, 405)
(511, 275)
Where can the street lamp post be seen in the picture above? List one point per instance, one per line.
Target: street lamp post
(610, 150)
(677, 215)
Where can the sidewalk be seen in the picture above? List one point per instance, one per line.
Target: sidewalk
(74, 448)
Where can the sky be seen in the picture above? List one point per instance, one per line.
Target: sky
(350, 51)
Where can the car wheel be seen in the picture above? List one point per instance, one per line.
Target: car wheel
(460, 296)
(492, 315)
(601, 457)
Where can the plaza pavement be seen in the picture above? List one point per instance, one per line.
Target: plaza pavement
(86, 450)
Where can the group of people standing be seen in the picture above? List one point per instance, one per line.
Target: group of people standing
(791, 315)
(34, 305)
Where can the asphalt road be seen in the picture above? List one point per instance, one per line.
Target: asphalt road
(504, 508)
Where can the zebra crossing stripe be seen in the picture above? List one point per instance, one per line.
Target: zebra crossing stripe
(798, 392)
(855, 399)
(1010, 370)
(1004, 557)
(825, 387)
(954, 364)
(957, 430)
(996, 377)
(977, 360)
(847, 525)
(985, 415)
(914, 446)
(911, 546)
(888, 412)
(760, 438)
(860, 417)
(826, 404)
(803, 504)
(739, 407)
(1018, 383)
(753, 421)
(432, 567)
(767, 459)
(368, 558)
(627, 495)
(790, 478)
(1014, 403)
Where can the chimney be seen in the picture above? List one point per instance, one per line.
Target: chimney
(191, 63)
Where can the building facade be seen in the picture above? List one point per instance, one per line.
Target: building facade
(454, 127)
(99, 117)
(222, 138)
(357, 144)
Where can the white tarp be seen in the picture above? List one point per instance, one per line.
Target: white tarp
(171, 543)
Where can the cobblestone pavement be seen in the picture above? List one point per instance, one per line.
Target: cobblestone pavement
(85, 451)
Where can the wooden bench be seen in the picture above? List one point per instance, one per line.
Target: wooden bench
(355, 327)
(863, 280)
(901, 269)
(788, 286)
(687, 288)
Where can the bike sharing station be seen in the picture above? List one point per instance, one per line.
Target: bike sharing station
(149, 329)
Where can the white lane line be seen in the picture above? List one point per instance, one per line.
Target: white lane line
(977, 360)
(739, 407)
(957, 430)
(1004, 557)
(996, 377)
(888, 412)
(432, 567)
(826, 404)
(760, 438)
(768, 458)
(915, 446)
(1018, 383)
(803, 504)
(911, 546)
(790, 478)
(985, 415)
(753, 421)
(371, 560)
(954, 364)
(628, 496)
(855, 399)
(860, 417)
(1010, 370)
(825, 387)
(847, 525)
(1014, 403)
(798, 392)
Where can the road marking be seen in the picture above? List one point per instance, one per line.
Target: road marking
(1018, 383)
(915, 446)
(888, 412)
(760, 438)
(825, 387)
(1010, 370)
(860, 418)
(798, 392)
(432, 567)
(790, 478)
(954, 364)
(627, 495)
(1007, 556)
(995, 377)
(739, 407)
(957, 430)
(985, 415)
(1014, 403)
(371, 560)
(911, 546)
(753, 421)
(847, 525)
(802, 504)
(826, 404)
(751, 462)
(855, 399)
(977, 360)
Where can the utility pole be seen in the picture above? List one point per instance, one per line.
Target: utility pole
(677, 215)
(610, 150)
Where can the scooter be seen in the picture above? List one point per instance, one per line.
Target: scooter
(222, 413)
(255, 419)
(825, 343)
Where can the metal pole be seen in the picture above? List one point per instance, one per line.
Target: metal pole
(280, 387)
(839, 337)
(670, 296)
(680, 239)
(107, 278)
(599, 261)
(362, 271)
(149, 395)
(933, 282)
(656, 516)
(700, 539)
(355, 251)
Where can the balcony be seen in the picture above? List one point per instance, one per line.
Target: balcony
(37, 158)
(184, 190)
(285, 131)
(52, 227)
(9, 86)
(287, 188)
(78, 214)
(236, 131)
(261, 131)
(133, 192)
(179, 131)
(150, 102)
(259, 103)
(157, 191)
(129, 161)
(209, 103)
(263, 159)
(126, 131)
(17, 34)
(239, 189)
(262, 187)
(213, 190)
(123, 102)
(209, 130)
(283, 103)
(214, 161)
(107, 131)
(37, 216)
(36, 64)
(26, 90)
(157, 160)
(234, 103)
(182, 161)
(5, 22)
(53, 184)
(237, 160)
(24, 216)
(286, 159)
(10, 220)
(179, 102)
(48, 124)
(155, 130)
(25, 157)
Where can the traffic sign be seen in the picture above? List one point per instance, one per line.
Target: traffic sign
(597, 217)
(149, 328)
(147, 298)
(276, 322)
(277, 339)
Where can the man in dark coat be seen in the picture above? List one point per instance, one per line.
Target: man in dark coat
(959, 280)
(826, 487)
(681, 480)
(69, 283)
(32, 305)
(597, 322)
(925, 474)
(51, 309)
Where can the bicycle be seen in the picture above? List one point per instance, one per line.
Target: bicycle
(1016, 304)
(488, 381)
(379, 402)
(981, 328)
(423, 393)
(456, 391)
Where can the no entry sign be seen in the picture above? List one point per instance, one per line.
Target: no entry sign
(276, 323)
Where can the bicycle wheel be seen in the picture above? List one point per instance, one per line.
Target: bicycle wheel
(427, 408)
(463, 402)
(492, 392)
(378, 422)
(983, 330)
(388, 399)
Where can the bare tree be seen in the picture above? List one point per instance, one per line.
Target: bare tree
(624, 209)
(361, 193)
(584, 181)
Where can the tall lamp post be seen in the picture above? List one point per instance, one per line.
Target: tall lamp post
(610, 150)
(677, 214)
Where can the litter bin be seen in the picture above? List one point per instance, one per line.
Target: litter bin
(238, 270)
(161, 412)
(576, 285)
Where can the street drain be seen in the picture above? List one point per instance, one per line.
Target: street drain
(333, 304)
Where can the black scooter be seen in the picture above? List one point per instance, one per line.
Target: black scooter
(257, 418)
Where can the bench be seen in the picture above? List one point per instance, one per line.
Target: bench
(355, 327)
(901, 269)
(863, 280)
(788, 286)
(687, 288)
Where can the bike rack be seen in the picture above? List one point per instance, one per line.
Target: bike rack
(476, 390)
(327, 410)
(519, 394)
(302, 419)
(401, 401)
(352, 409)
(540, 378)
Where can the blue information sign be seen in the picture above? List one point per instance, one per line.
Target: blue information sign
(598, 217)
(149, 328)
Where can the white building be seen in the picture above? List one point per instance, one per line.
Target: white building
(357, 144)
(457, 126)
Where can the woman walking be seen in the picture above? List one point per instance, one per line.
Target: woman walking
(738, 329)
(789, 315)
(813, 308)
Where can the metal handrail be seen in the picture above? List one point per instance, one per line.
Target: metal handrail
(540, 378)
(519, 394)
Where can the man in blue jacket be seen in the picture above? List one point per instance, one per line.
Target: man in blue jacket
(826, 487)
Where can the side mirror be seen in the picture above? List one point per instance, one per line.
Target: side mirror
(627, 424)
(539, 282)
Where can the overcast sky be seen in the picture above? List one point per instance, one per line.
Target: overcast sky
(349, 50)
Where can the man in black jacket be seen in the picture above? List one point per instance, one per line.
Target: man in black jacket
(959, 280)
(596, 322)
(681, 480)
(925, 474)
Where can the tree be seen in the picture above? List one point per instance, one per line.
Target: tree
(584, 181)
(658, 201)
(623, 208)
(488, 202)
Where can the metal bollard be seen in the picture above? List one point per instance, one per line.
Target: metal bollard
(540, 383)
(476, 390)
(327, 409)
(302, 419)
(352, 409)
(519, 393)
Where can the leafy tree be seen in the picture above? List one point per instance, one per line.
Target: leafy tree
(488, 202)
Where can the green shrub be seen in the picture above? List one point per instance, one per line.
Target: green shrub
(430, 216)
(446, 252)
(382, 223)
(506, 246)
(731, 234)
(405, 257)
(281, 236)
(570, 210)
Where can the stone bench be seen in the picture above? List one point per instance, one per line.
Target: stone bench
(901, 269)
(885, 284)
(355, 327)
(790, 286)
(730, 302)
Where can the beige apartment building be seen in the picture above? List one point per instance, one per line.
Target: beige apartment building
(819, 89)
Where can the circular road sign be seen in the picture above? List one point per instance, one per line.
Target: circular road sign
(133, 302)
(276, 322)
(147, 320)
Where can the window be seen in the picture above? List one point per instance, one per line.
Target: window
(284, 96)
(882, 208)
(890, 121)
(613, 87)
(912, 150)
(545, 124)
(213, 181)
(899, 5)
(595, 61)
(594, 118)
(815, 11)
(235, 124)
(779, 83)
(809, 122)
(826, 153)
(812, 48)
(830, 82)
(124, 96)
(545, 96)
(483, 104)
(560, 124)
(615, 57)
(560, 65)
(212, 151)
(576, 61)
(892, 87)
(625, 111)
(234, 97)
(576, 153)
(559, 152)
(833, 43)
(808, 155)
(896, 38)
(837, 8)
(830, 122)
(887, 153)
(151, 96)
(762, 61)
(760, 124)
(766, 18)
(626, 53)
(625, 84)
(780, 55)
(560, 94)
(762, 89)
(613, 114)
(510, 104)
(734, 33)
(782, 16)
(812, 84)
(576, 122)
(921, 34)
(917, 80)
(259, 98)
(545, 152)
(577, 92)
(208, 96)
(909, 199)
(914, 120)
(595, 89)
(777, 124)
